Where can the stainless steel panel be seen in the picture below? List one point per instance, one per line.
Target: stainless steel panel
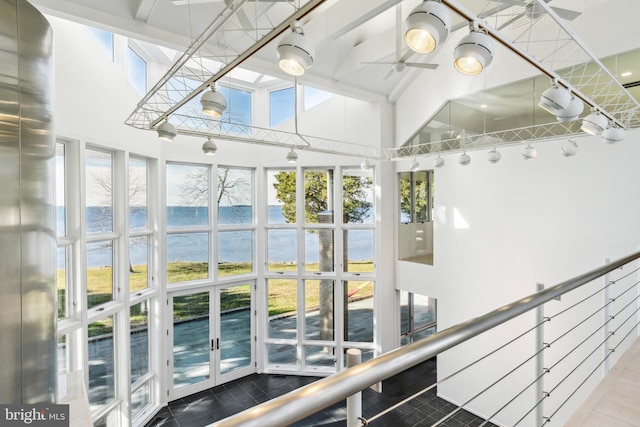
(27, 215)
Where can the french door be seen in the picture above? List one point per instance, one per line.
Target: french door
(211, 337)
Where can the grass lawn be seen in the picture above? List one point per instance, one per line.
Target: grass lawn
(282, 292)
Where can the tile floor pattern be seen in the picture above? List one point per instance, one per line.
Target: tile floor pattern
(220, 402)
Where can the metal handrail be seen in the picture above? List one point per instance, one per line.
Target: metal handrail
(303, 402)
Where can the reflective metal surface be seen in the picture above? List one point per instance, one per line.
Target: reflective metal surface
(27, 216)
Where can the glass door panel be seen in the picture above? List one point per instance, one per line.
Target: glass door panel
(236, 331)
(191, 343)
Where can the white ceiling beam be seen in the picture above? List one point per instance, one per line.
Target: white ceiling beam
(145, 8)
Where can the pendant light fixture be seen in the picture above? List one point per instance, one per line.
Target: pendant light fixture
(295, 52)
(427, 26)
(209, 148)
(572, 112)
(213, 102)
(529, 152)
(594, 123)
(438, 162)
(613, 134)
(464, 159)
(292, 156)
(494, 156)
(570, 148)
(415, 165)
(555, 99)
(473, 53)
(166, 131)
(365, 165)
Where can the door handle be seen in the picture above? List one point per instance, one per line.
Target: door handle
(212, 345)
(215, 344)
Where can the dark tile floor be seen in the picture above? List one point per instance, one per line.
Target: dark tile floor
(219, 402)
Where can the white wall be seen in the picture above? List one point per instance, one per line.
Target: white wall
(501, 228)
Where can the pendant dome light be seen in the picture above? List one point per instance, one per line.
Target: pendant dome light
(292, 156)
(529, 152)
(166, 131)
(438, 162)
(415, 165)
(494, 156)
(209, 148)
(427, 26)
(365, 165)
(213, 102)
(570, 148)
(555, 99)
(594, 123)
(613, 134)
(572, 112)
(464, 159)
(295, 52)
(473, 53)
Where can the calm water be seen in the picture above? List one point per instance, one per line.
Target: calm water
(235, 246)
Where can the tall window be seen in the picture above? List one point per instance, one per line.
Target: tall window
(99, 224)
(139, 229)
(104, 39)
(281, 106)
(235, 221)
(238, 110)
(415, 236)
(137, 71)
(188, 230)
(335, 282)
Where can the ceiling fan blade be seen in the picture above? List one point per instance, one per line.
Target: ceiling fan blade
(566, 14)
(398, 30)
(379, 62)
(421, 65)
(244, 20)
(386, 76)
(510, 21)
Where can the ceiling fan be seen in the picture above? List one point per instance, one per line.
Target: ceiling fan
(400, 64)
(533, 10)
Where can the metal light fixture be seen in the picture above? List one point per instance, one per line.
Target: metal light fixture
(594, 123)
(427, 26)
(570, 148)
(473, 53)
(464, 159)
(166, 131)
(295, 52)
(572, 112)
(613, 134)
(209, 148)
(555, 99)
(494, 156)
(415, 165)
(365, 165)
(529, 152)
(213, 102)
(438, 162)
(292, 156)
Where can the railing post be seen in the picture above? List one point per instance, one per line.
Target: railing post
(354, 402)
(540, 359)
(605, 319)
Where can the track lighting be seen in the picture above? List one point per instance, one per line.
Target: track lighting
(209, 148)
(529, 152)
(438, 162)
(292, 156)
(594, 123)
(464, 159)
(166, 131)
(415, 165)
(365, 165)
(295, 52)
(570, 148)
(213, 102)
(473, 53)
(613, 134)
(572, 112)
(555, 99)
(494, 156)
(427, 26)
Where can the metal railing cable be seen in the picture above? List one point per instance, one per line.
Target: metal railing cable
(306, 401)
(439, 382)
